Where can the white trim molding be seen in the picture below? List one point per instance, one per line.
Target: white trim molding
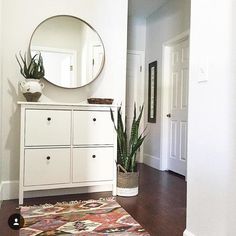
(151, 161)
(177, 38)
(10, 190)
(187, 233)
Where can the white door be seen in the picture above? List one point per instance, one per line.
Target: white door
(178, 116)
(134, 87)
(60, 65)
(97, 59)
(63, 64)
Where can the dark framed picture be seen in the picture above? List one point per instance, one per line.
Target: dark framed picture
(152, 91)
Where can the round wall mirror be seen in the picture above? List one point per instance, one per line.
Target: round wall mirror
(73, 52)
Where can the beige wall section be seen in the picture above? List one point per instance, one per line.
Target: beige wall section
(211, 190)
(20, 18)
(167, 22)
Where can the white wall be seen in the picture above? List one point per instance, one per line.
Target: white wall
(136, 33)
(170, 20)
(211, 191)
(20, 18)
(1, 103)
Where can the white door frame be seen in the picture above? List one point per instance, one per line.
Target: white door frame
(165, 97)
(142, 84)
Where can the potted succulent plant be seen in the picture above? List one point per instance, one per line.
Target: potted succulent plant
(33, 70)
(128, 143)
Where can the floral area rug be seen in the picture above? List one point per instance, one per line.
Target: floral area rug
(93, 217)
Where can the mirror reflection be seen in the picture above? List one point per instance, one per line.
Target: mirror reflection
(72, 51)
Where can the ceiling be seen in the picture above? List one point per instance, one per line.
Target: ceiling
(144, 8)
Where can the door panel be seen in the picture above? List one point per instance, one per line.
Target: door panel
(184, 88)
(97, 59)
(43, 165)
(178, 131)
(134, 88)
(174, 90)
(183, 140)
(44, 127)
(92, 164)
(173, 139)
(93, 127)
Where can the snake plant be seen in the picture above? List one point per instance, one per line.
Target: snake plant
(32, 68)
(128, 142)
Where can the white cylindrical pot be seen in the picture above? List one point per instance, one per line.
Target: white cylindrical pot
(127, 192)
(31, 89)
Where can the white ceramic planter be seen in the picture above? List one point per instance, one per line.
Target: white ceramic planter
(31, 89)
(127, 192)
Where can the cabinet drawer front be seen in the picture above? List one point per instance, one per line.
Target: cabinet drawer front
(47, 127)
(92, 164)
(46, 166)
(93, 127)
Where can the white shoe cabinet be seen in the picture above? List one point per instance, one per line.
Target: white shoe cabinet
(66, 146)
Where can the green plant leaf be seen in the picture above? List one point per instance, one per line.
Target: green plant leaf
(21, 69)
(34, 69)
(137, 145)
(127, 149)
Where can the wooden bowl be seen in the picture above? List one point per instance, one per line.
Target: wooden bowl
(100, 100)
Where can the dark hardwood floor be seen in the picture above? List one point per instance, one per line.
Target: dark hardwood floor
(160, 206)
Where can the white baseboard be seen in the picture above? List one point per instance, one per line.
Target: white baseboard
(187, 233)
(10, 190)
(151, 161)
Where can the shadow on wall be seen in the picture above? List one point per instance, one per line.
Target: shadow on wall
(11, 131)
(50, 93)
(12, 144)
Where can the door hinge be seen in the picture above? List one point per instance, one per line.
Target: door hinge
(141, 68)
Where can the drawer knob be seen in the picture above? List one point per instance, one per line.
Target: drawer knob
(49, 118)
(93, 156)
(94, 119)
(48, 157)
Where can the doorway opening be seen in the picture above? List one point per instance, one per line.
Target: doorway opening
(174, 114)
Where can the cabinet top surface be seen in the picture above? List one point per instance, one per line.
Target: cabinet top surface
(64, 104)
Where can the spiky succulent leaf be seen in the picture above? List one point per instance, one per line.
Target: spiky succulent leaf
(33, 68)
(21, 68)
(127, 149)
(33, 59)
(135, 127)
(137, 145)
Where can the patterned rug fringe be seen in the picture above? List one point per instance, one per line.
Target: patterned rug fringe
(48, 205)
